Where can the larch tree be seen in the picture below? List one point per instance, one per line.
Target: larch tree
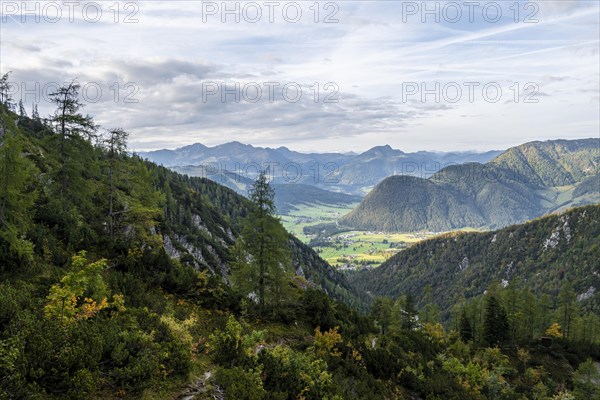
(116, 144)
(430, 313)
(262, 257)
(5, 92)
(70, 124)
(566, 308)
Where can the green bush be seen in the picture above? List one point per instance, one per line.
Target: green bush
(242, 384)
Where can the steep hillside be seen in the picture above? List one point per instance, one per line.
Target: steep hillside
(194, 220)
(552, 163)
(588, 186)
(114, 283)
(287, 197)
(233, 207)
(542, 255)
(233, 181)
(523, 183)
(403, 201)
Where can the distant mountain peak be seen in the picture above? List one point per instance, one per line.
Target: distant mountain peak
(193, 147)
(235, 144)
(522, 183)
(385, 150)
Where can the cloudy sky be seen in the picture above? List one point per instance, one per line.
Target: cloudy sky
(316, 76)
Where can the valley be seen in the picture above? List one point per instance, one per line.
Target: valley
(363, 193)
(311, 215)
(352, 250)
(346, 249)
(131, 280)
(348, 200)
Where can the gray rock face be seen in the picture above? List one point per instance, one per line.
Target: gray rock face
(174, 252)
(586, 295)
(464, 264)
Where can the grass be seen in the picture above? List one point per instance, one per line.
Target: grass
(365, 247)
(351, 248)
(360, 247)
(313, 214)
(560, 198)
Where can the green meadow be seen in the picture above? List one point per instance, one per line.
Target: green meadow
(348, 248)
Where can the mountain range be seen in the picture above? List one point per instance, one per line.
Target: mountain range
(337, 172)
(522, 183)
(287, 196)
(116, 281)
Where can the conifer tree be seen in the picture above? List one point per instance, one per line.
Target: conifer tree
(409, 313)
(466, 328)
(22, 112)
(35, 115)
(430, 313)
(495, 322)
(262, 268)
(566, 308)
(16, 195)
(70, 124)
(116, 144)
(5, 95)
(381, 310)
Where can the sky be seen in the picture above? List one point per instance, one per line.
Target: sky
(315, 76)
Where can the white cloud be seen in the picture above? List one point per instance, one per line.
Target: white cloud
(369, 54)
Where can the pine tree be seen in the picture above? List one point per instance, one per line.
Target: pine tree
(495, 322)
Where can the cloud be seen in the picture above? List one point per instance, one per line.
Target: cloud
(171, 53)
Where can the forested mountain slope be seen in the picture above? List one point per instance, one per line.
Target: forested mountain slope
(543, 255)
(193, 219)
(552, 163)
(287, 196)
(523, 183)
(122, 279)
